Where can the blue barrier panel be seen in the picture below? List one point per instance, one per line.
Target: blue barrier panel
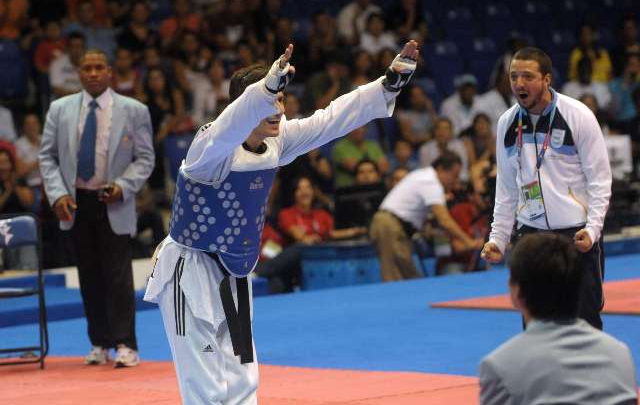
(621, 246)
(338, 264)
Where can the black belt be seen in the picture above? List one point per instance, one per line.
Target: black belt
(86, 192)
(239, 322)
(525, 229)
(407, 226)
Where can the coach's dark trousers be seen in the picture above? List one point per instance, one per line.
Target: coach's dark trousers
(591, 296)
(105, 272)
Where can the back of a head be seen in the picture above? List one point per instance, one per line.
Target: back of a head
(548, 269)
(446, 161)
(244, 77)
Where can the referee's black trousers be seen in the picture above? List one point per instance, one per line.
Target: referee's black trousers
(591, 296)
(105, 273)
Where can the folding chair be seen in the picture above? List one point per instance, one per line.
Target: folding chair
(22, 230)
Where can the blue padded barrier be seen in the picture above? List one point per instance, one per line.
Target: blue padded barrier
(338, 264)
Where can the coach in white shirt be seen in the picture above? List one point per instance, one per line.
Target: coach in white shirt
(553, 173)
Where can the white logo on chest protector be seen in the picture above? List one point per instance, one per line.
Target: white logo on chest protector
(557, 138)
(257, 184)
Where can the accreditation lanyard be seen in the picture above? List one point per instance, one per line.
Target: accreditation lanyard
(545, 143)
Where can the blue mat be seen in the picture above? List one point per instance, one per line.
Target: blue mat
(50, 280)
(65, 303)
(62, 303)
(369, 327)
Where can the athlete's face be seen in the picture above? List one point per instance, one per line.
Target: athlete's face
(529, 85)
(270, 126)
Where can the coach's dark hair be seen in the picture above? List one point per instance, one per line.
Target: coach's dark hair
(536, 54)
(548, 269)
(245, 77)
(446, 161)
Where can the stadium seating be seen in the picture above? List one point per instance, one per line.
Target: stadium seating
(498, 20)
(445, 62)
(482, 59)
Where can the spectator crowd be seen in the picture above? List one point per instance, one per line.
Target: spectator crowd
(176, 56)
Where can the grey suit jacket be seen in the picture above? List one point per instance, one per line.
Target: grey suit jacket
(559, 363)
(130, 158)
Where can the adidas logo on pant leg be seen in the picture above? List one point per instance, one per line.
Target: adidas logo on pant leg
(208, 349)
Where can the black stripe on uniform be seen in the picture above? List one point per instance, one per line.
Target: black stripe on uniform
(178, 298)
(182, 302)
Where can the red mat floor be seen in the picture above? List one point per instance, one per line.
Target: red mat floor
(66, 381)
(621, 298)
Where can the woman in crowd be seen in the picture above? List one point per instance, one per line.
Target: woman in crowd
(302, 224)
(166, 106)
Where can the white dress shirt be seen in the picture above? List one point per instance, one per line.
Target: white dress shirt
(412, 198)
(103, 117)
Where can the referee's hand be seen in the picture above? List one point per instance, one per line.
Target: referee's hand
(491, 253)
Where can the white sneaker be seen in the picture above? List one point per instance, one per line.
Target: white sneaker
(97, 356)
(126, 357)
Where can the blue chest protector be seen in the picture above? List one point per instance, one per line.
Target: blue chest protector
(224, 218)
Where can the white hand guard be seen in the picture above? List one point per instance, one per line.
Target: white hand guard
(277, 79)
(399, 73)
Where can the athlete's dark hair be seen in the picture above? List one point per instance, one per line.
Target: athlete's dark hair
(245, 77)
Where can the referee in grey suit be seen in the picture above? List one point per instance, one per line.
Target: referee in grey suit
(96, 153)
(559, 358)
